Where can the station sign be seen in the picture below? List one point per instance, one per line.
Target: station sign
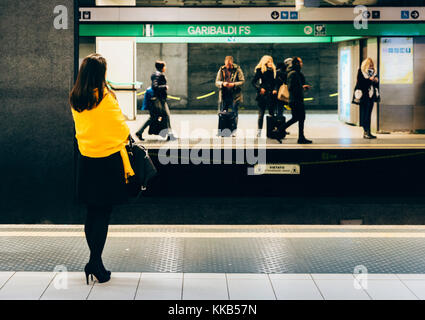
(250, 30)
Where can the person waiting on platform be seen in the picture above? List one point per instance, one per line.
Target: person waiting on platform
(366, 93)
(229, 80)
(103, 166)
(159, 104)
(264, 82)
(296, 88)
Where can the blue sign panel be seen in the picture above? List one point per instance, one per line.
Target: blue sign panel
(294, 15)
(284, 15)
(405, 14)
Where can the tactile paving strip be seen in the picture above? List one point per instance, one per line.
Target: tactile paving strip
(217, 254)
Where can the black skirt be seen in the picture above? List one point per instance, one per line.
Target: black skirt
(101, 180)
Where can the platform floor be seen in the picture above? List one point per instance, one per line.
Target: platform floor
(217, 262)
(326, 131)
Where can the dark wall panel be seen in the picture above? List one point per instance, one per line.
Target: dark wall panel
(36, 140)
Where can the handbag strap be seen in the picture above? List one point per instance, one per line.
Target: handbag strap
(130, 141)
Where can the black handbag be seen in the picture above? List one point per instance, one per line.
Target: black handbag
(143, 168)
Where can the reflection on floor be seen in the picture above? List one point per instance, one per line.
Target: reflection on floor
(217, 262)
(324, 129)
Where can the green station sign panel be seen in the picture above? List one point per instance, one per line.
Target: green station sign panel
(252, 30)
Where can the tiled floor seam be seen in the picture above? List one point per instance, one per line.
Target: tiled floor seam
(314, 281)
(50, 282)
(227, 286)
(181, 294)
(91, 288)
(407, 287)
(137, 287)
(13, 273)
(271, 284)
(363, 289)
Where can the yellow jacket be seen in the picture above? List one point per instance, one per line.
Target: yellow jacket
(102, 131)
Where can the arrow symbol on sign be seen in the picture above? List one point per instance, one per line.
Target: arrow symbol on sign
(415, 14)
(275, 15)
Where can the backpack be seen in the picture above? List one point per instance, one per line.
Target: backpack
(147, 99)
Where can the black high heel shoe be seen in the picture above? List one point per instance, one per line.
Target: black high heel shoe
(92, 270)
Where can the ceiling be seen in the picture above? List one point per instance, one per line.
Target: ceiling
(265, 3)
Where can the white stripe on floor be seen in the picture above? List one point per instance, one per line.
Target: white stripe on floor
(223, 286)
(288, 235)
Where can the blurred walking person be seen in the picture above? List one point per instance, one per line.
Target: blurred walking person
(297, 86)
(159, 107)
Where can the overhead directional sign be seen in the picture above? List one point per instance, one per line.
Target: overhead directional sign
(245, 14)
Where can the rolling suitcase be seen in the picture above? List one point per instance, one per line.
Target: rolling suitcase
(158, 123)
(226, 123)
(276, 127)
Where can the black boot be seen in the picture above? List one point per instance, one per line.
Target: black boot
(368, 135)
(303, 140)
(139, 135)
(171, 137)
(97, 271)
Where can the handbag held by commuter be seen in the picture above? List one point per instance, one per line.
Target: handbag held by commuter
(226, 123)
(283, 94)
(143, 168)
(276, 127)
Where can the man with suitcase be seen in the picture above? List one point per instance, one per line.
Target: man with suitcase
(229, 80)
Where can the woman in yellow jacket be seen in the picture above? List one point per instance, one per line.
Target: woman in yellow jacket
(103, 165)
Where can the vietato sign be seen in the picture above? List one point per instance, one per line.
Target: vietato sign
(224, 30)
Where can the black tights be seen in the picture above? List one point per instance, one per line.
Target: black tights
(96, 230)
(298, 115)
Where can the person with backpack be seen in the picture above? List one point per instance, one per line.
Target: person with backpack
(158, 107)
(147, 103)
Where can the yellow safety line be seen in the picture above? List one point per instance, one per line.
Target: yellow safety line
(205, 95)
(333, 95)
(174, 98)
(171, 97)
(308, 99)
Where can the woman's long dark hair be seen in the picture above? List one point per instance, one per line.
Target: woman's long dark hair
(90, 77)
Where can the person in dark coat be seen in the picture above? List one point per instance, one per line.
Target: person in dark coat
(281, 78)
(264, 82)
(366, 93)
(159, 105)
(296, 87)
(229, 80)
